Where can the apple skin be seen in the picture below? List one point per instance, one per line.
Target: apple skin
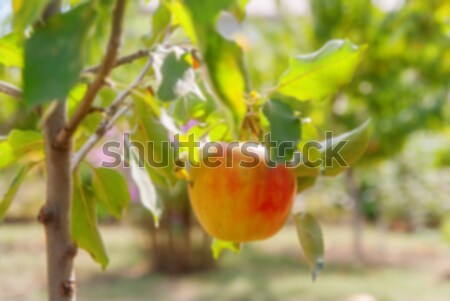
(241, 204)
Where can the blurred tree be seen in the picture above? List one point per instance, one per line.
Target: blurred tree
(404, 79)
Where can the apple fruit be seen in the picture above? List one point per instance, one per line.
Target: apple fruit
(237, 196)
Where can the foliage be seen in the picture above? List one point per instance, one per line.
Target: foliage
(310, 236)
(12, 190)
(21, 146)
(218, 246)
(319, 74)
(84, 227)
(54, 56)
(202, 89)
(402, 81)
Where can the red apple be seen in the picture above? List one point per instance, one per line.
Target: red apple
(239, 203)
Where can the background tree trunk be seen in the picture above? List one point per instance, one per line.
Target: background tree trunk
(357, 217)
(179, 245)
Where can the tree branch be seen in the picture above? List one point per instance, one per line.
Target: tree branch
(108, 63)
(122, 60)
(113, 113)
(10, 90)
(15, 92)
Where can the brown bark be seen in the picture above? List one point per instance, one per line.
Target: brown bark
(55, 215)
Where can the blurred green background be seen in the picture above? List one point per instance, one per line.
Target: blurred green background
(386, 224)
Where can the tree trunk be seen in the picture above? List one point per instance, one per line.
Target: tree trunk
(55, 214)
(357, 219)
(179, 245)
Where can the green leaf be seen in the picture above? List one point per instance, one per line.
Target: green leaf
(285, 126)
(311, 240)
(310, 164)
(182, 17)
(24, 141)
(10, 52)
(27, 12)
(76, 96)
(355, 144)
(223, 58)
(174, 75)
(21, 146)
(13, 188)
(54, 55)
(154, 132)
(147, 191)
(204, 13)
(218, 129)
(84, 228)
(238, 9)
(304, 183)
(6, 154)
(198, 17)
(218, 246)
(160, 22)
(111, 189)
(149, 99)
(309, 131)
(303, 170)
(319, 74)
(187, 108)
(227, 75)
(310, 150)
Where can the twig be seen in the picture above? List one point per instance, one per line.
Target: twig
(10, 90)
(122, 60)
(95, 109)
(93, 139)
(16, 93)
(113, 113)
(108, 63)
(111, 110)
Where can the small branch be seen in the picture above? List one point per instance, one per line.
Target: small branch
(95, 109)
(16, 93)
(122, 60)
(10, 90)
(108, 63)
(111, 110)
(113, 113)
(93, 139)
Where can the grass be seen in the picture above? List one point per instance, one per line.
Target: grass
(399, 267)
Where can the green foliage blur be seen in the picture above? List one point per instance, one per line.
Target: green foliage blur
(403, 80)
(402, 83)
